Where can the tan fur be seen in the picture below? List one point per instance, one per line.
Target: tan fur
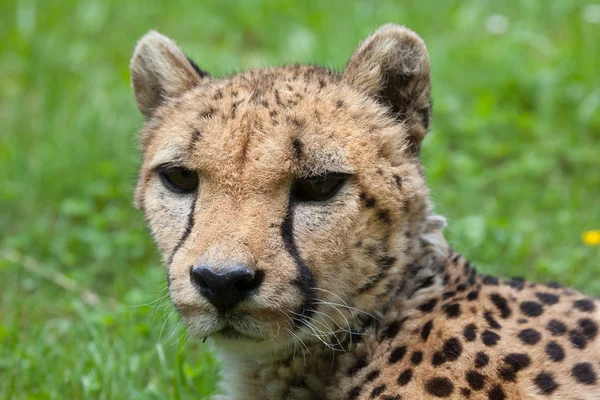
(374, 253)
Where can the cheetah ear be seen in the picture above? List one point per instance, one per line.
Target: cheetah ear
(392, 65)
(159, 69)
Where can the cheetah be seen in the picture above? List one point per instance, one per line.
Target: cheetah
(291, 210)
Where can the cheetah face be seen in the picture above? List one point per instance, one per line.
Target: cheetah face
(282, 200)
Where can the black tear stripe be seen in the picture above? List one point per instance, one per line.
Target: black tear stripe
(188, 229)
(306, 280)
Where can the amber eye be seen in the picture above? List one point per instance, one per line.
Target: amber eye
(318, 188)
(178, 179)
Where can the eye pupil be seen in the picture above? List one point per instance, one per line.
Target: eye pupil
(319, 188)
(179, 180)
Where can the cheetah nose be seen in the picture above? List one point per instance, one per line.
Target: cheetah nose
(224, 289)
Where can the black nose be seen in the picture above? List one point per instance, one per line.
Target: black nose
(224, 289)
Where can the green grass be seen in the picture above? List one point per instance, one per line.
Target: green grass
(512, 161)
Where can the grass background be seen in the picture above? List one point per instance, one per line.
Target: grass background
(512, 160)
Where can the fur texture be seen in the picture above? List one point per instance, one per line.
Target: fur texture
(361, 298)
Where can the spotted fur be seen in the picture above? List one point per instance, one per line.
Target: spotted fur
(360, 296)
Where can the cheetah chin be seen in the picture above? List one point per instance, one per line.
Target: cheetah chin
(291, 210)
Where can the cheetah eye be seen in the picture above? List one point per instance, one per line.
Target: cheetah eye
(178, 179)
(318, 188)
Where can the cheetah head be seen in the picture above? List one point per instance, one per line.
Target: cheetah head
(287, 203)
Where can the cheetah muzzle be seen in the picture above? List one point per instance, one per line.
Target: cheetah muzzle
(290, 207)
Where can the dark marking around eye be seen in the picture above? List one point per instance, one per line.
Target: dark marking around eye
(187, 231)
(298, 147)
(305, 280)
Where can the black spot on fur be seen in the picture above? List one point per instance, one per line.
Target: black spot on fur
(475, 380)
(354, 393)
(555, 351)
(447, 295)
(545, 382)
(397, 354)
(490, 280)
(516, 283)
(461, 288)
(514, 362)
(466, 392)
(491, 320)
(481, 359)
(547, 298)
(585, 305)
(473, 295)
(556, 328)
(588, 327)
(529, 336)
(392, 330)
(426, 330)
(532, 308)
(360, 364)
(452, 310)
(428, 306)
(438, 358)
(577, 339)
(371, 376)
(377, 390)
(496, 393)
(501, 304)
(470, 332)
(417, 357)
(384, 216)
(490, 338)
(439, 387)
(584, 373)
(452, 349)
(405, 377)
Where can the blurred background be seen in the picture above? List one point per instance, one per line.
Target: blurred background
(513, 161)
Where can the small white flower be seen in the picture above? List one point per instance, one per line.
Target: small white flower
(496, 24)
(591, 13)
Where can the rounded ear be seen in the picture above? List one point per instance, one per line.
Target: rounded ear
(392, 65)
(159, 69)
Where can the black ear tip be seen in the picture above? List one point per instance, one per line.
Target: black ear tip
(201, 73)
